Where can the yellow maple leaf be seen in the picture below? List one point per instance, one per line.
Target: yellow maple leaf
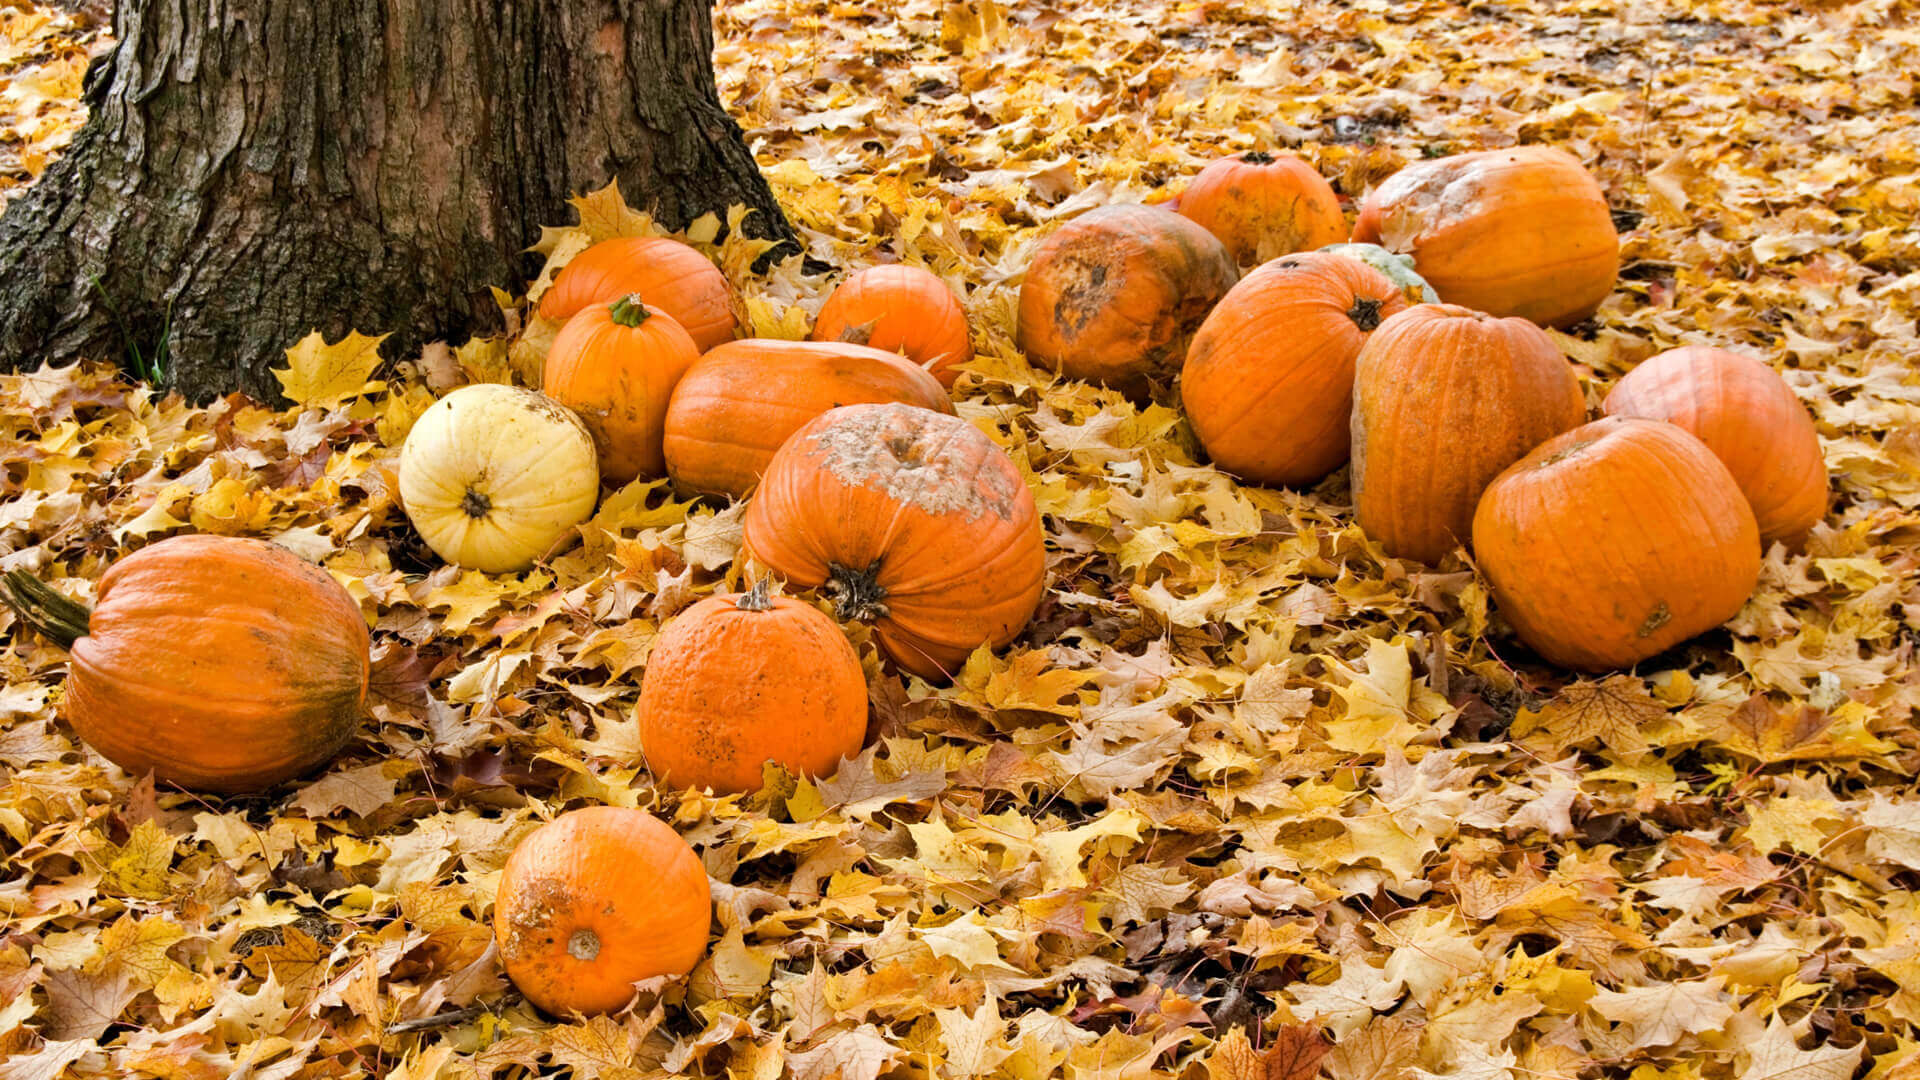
(319, 375)
(1613, 712)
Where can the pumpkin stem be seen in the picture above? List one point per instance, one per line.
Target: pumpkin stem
(629, 310)
(44, 608)
(1257, 157)
(856, 593)
(475, 504)
(757, 597)
(1365, 313)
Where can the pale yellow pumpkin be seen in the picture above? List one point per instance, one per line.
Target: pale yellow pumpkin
(494, 477)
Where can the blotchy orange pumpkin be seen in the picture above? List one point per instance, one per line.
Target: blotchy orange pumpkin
(736, 681)
(1269, 378)
(900, 309)
(911, 518)
(1749, 418)
(596, 900)
(1443, 399)
(735, 407)
(615, 365)
(1524, 231)
(1615, 541)
(672, 276)
(214, 662)
(1114, 294)
(1263, 206)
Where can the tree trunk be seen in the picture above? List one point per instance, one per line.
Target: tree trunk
(254, 169)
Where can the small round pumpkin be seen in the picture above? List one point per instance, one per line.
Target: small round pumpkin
(740, 402)
(596, 900)
(493, 477)
(1524, 231)
(911, 518)
(615, 365)
(1395, 268)
(1263, 206)
(1615, 541)
(673, 277)
(1269, 378)
(1443, 399)
(1749, 418)
(901, 309)
(213, 662)
(736, 681)
(1113, 295)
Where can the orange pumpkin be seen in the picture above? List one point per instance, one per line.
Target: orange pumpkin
(1443, 399)
(1113, 295)
(1615, 541)
(616, 366)
(911, 518)
(1523, 232)
(736, 681)
(1263, 206)
(1269, 378)
(672, 276)
(213, 662)
(901, 309)
(1749, 418)
(736, 406)
(596, 900)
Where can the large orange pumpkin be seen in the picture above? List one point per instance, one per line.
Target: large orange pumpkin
(736, 681)
(911, 518)
(1263, 206)
(672, 276)
(736, 406)
(1749, 418)
(1443, 399)
(1615, 541)
(616, 365)
(1523, 232)
(901, 309)
(1113, 295)
(596, 900)
(213, 662)
(1269, 378)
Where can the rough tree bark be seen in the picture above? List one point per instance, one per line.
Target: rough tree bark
(253, 169)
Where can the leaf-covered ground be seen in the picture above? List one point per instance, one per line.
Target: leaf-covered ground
(1248, 800)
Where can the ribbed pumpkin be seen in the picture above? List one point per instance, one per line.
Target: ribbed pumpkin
(736, 681)
(615, 365)
(672, 276)
(1615, 541)
(1443, 399)
(1114, 294)
(1395, 268)
(1749, 418)
(900, 309)
(1269, 378)
(596, 900)
(216, 663)
(494, 476)
(911, 518)
(1524, 231)
(1263, 206)
(736, 406)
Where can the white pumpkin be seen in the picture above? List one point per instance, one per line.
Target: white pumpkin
(1397, 268)
(494, 476)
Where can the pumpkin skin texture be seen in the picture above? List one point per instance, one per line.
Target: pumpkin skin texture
(615, 365)
(494, 476)
(900, 309)
(216, 663)
(1749, 418)
(1443, 399)
(1268, 384)
(1616, 541)
(1113, 295)
(673, 277)
(738, 680)
(736, 406)
(913, 519)
(1524, 231)
(1263, 206)
(596, 900)
(1395, 268)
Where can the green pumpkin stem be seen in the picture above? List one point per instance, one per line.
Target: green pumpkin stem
(46, 609)
(629, 310)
